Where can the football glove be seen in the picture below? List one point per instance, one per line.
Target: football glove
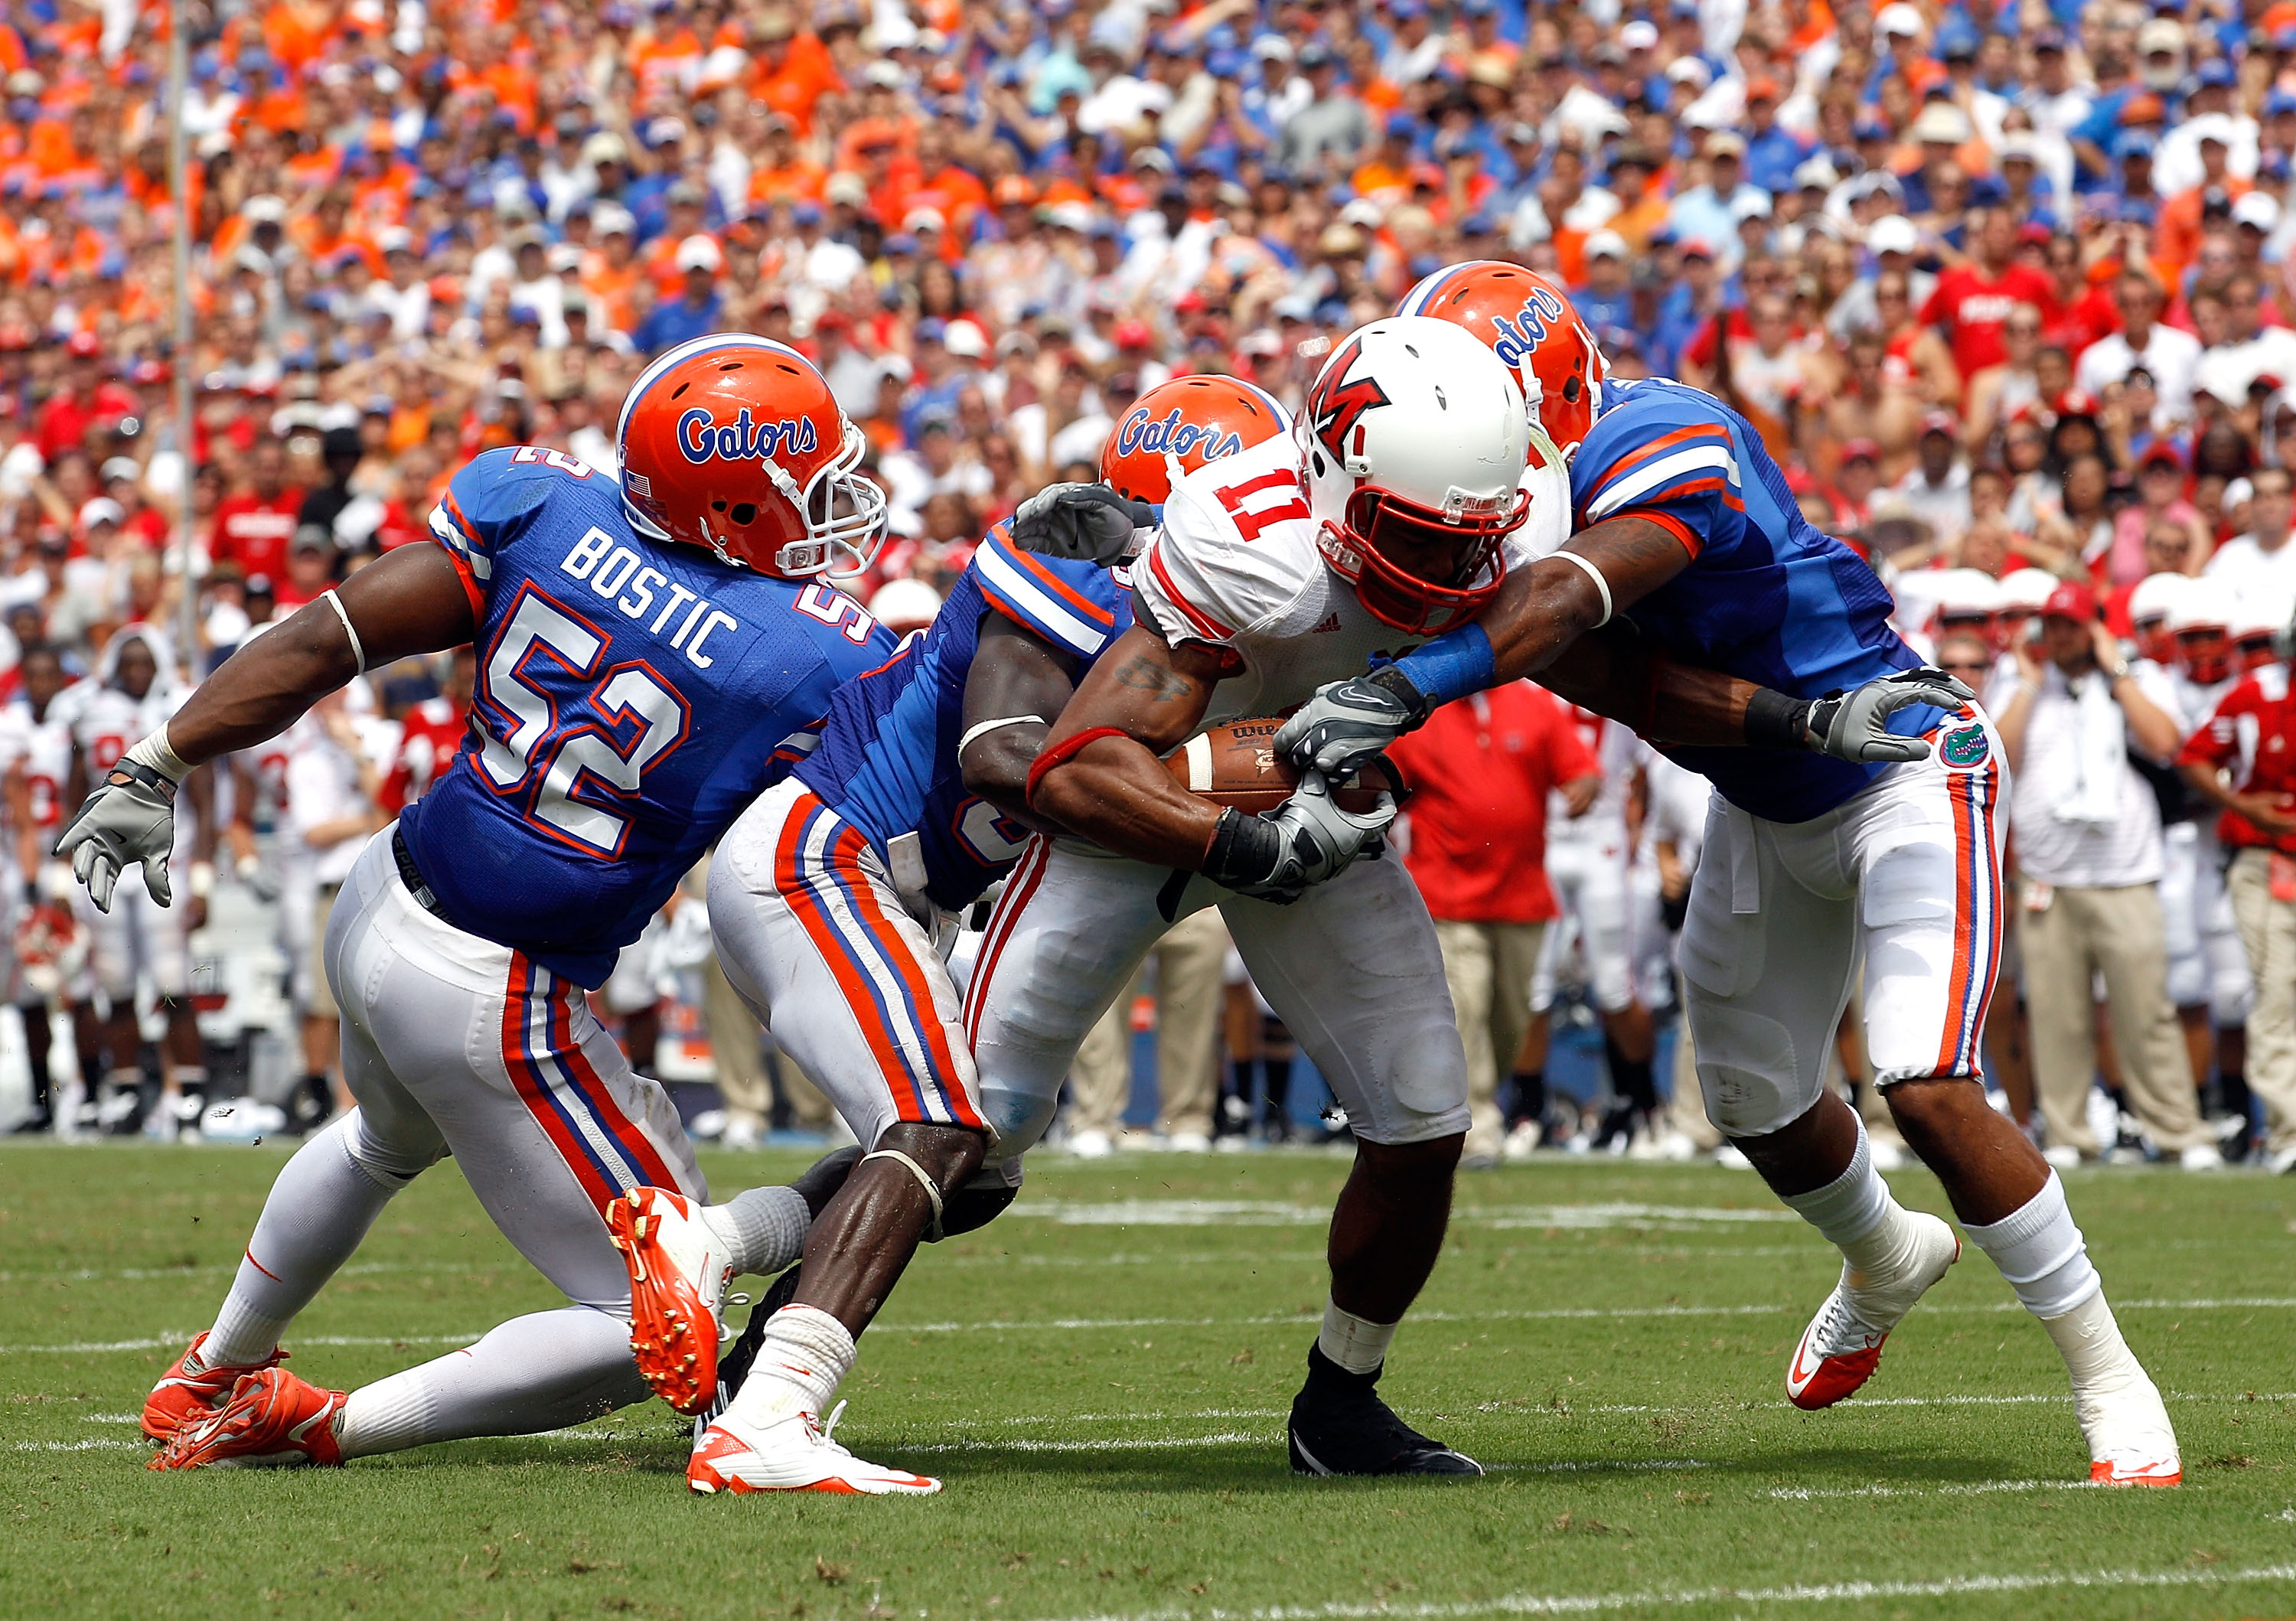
(1085, 523)
(1854, 725)
(1306, 840)
(129, 818)
(1340, 730)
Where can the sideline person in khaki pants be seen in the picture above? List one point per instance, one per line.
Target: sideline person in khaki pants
(1190, 996)
(2089, 850)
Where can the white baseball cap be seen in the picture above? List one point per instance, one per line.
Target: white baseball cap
(1898, 18)
(699, 252)
(2258, 208)
(1606, 245)
(1892, 234)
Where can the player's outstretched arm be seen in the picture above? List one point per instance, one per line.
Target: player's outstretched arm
(412, 602)
(1017, 686)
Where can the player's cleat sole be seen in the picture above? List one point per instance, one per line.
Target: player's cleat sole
(2104, 1473)
(678, 1279)
(1340, 1427)
(793, 1454)
(272, 1420)
(1841, 1347)
(181, 1397)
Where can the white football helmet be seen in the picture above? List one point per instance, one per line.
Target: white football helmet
(2154, 597)
(1414, 439)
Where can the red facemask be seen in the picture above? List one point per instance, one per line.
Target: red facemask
(2207, 655)
(1356, 550)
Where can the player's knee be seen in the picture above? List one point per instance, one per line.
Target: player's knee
(977, 1203)
(1749, 1074)
(1408, 1170)
(1019, 1114)
(949, 1154)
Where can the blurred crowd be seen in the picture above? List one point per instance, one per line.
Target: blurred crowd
(2003, 287)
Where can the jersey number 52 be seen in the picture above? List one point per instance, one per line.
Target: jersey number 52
(588, 750)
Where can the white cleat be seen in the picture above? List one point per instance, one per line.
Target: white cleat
(1090, 1144)
(2130, 1440)
(795, 1454)
(679, 1273)
(1842, 1345)
(2202, 1157)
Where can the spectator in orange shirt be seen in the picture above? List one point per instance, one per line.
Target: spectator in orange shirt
(1476, 845)
(793, 68)
(2176, 233)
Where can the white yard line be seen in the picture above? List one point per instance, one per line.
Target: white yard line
(1271, 1213)
(1829, 1592)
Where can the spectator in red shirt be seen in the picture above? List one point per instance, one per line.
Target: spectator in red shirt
(81, 404)
(310, 569)
(254, 525)
(1476, 844)
(430, 734)
(1971, 304)
(2244, 762)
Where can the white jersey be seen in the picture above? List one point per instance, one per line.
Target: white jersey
(43, 748)
(1620, 754)
(106, 722)
(1236, 566)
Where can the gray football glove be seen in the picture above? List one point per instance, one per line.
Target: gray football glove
(129, 818)
(1085, 523)
(1306, 840)
(1854, 725)
(1340, 730)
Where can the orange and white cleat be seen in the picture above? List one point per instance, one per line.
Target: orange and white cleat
(182, 1395)
(795, 1454)
(272, 1420)
(679, 1273)
(2130, 1440)
(1842, 1345)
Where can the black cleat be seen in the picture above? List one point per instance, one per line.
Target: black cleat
(1340, 1427)
(734, 1364)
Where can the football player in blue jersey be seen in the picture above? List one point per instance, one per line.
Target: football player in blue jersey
(1815, 868)
(651, 654)
(831, 900)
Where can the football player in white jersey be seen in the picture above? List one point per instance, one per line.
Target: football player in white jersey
(1392, 513)
(35, 741)
(132, 693)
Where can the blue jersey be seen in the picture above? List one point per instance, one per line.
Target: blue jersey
(631, 699)
(888, 758)
(1766, 597)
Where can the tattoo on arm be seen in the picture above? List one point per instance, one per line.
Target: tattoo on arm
(1160, 681)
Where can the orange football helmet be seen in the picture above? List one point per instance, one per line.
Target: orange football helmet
(1528, 321)
(1177, 426)
(735, 444)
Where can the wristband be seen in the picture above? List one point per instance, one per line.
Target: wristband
(359, 653)
(1243, 850)
(1775, 721)
(154, 752)
(1061, 751)
(202, 880)
(1447, 669)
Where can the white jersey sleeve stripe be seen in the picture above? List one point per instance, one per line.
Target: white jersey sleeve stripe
(1036, 606)
(1665, 470)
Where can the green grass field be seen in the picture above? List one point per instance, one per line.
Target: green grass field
(1101, 1377)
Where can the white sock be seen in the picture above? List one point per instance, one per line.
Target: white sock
(2041, 1253)
(2097, 1357)
(806, 1356)
(1355, 1343)
(319, 1211)
(1859, 1216)
(532, 1373)
(762, 1230)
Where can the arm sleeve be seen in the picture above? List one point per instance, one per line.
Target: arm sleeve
(1679, 468)
(1072, 605)
(1198, 581)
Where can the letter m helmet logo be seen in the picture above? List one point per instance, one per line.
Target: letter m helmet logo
(1337, 404)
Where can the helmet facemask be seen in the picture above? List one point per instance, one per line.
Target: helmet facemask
(1379, 528)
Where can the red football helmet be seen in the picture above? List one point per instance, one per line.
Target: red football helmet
(1177, 426)
(1532, 326)
(735, 444)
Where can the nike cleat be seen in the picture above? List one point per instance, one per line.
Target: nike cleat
(272, 1420)
(1340, 1427)
(1842, 1345)
(795, 1454)
(2130, 1440)
(678, 1273)
(183, 1396)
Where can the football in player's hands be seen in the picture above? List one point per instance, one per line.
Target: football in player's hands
(1236, 765)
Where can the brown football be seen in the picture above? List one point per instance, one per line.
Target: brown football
(1236, 765)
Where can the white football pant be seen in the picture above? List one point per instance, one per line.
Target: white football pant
(1351, 967)
(1590, 891)
(1904, 879)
